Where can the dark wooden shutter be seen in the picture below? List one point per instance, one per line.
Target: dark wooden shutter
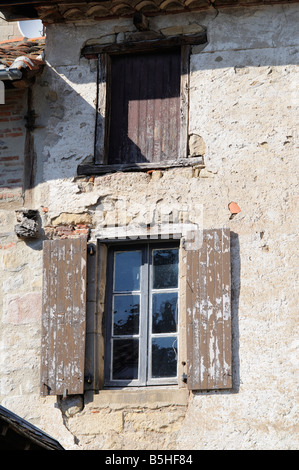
(63, 317)
(209, 313)
(145, 107)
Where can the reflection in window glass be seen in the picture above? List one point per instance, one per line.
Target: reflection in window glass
(125, 359)
(126, 314)
(164, 312)
(164, 357)
(127, 271)
(165, 268)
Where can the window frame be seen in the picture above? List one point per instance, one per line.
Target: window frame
(104, 111)
(103, 54)
(144, 364)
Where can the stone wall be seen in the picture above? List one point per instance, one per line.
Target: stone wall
(243, 116)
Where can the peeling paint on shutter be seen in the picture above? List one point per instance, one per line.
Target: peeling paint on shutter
(64, 317)
(209, 313)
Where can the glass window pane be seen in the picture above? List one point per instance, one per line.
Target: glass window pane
(127, 270)
(164, 357)
(125, 359)
(165, 268)
(126, 314)
(165, 308)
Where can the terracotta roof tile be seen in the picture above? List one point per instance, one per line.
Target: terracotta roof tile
(11, 50)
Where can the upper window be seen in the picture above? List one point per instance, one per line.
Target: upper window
(142, 104)
(142, 110)
(142, 316)
(144, 107)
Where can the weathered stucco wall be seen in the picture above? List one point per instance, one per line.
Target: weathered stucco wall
(244, 105)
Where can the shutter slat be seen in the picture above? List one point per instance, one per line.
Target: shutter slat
(64, 317)
(227, 329)
(208, 313)
(61, 317)
(145, 107)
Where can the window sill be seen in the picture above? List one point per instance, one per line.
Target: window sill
(97, 169)
(145, 397)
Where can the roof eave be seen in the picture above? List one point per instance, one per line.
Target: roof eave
(63, 11)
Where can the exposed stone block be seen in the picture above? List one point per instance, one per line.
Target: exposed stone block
(156, 175)
(182, 29)
(28, 224)
(197, 145)
(66, 218)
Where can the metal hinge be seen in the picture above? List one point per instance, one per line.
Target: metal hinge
(184, 378)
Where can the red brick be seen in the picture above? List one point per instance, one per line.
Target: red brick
(69, 231)
(14, 134)
(66, 228)
(14, 181)
(7, 159)
(6, 195)
(15, 92)
(82, 231)
(64, 231)
(9, 245)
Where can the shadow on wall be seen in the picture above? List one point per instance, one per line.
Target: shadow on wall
(235, 294)
(63, 134)
(12, 144)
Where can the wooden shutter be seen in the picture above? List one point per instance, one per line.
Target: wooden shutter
(209, 313)
(145, 107)
(63, 317)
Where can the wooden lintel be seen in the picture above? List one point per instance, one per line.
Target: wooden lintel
(135, 46)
